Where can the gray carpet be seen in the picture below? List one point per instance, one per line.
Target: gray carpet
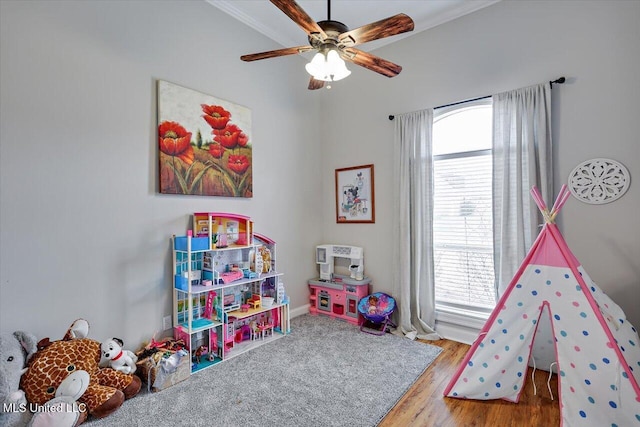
(324, 373)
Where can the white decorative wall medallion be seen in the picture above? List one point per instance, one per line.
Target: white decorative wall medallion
(599, 181)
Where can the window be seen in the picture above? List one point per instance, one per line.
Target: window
(462, 211)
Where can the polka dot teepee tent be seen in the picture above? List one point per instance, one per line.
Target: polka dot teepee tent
(553, 312)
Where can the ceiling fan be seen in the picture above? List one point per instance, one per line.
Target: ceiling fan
(335, 43)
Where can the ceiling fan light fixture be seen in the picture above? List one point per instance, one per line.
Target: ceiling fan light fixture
(327, 66)
(317, 66)
(335, 42)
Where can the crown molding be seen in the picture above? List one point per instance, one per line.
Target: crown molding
(424, 22)
(272, 33)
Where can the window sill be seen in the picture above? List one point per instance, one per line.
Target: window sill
(459, 325)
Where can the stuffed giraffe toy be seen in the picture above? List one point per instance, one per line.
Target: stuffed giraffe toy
(80, 356)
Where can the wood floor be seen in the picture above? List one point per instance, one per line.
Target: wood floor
(424, 404)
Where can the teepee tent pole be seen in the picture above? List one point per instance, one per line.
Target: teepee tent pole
(562, 198)
(537, 197)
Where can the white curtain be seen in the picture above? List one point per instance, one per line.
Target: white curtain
(413, 236)
(522, 153)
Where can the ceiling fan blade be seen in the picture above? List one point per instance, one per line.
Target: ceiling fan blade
(276, 53)
(388, 27)
(372, 62)
(299, 16)
(315, 84)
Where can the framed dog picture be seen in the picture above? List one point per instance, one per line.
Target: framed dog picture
(355, 195)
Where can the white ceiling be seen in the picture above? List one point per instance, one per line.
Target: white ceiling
(267, 19)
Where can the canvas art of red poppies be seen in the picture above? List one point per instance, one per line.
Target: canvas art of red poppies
(205, 145)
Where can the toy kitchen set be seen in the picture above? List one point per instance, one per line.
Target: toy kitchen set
(334, 294)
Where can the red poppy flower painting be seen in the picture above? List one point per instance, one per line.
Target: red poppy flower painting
(216, 150)
(176, 141)
(239, 164)
(216, 116)
(205, 145)
(243, 139)
(227, 137)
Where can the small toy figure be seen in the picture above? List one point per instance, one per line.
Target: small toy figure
(119, 359)
(266, 259)
(255, 329)
(199, 352)
(373, 304)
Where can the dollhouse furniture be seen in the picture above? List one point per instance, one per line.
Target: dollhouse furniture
(255, 330)
(338, 298)
(244, 334)
(217, 252)
(254, 301)
(266, 329)
(229, 336)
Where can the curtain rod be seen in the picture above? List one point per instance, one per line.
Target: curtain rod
(551, 82)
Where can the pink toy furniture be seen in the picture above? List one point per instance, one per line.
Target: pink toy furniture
(229, 335)
(338, 298)
(245, 332)
(265, 329)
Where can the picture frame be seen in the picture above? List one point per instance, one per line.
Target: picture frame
(355, 195)
(205, 144)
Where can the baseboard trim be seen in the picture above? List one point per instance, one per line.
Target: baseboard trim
(457, 333)
(299, 311)
(450, 331)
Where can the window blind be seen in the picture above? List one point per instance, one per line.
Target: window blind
(462, 230)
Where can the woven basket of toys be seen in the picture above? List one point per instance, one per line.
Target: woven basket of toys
(162, 364)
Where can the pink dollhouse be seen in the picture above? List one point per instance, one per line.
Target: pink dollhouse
(225, 302)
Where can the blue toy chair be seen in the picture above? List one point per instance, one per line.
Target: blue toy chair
(376, 309)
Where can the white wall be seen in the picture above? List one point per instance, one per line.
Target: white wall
(84, 232)
(596, 45)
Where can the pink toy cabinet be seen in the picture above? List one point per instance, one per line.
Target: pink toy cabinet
(213, 279)
(338, 298)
